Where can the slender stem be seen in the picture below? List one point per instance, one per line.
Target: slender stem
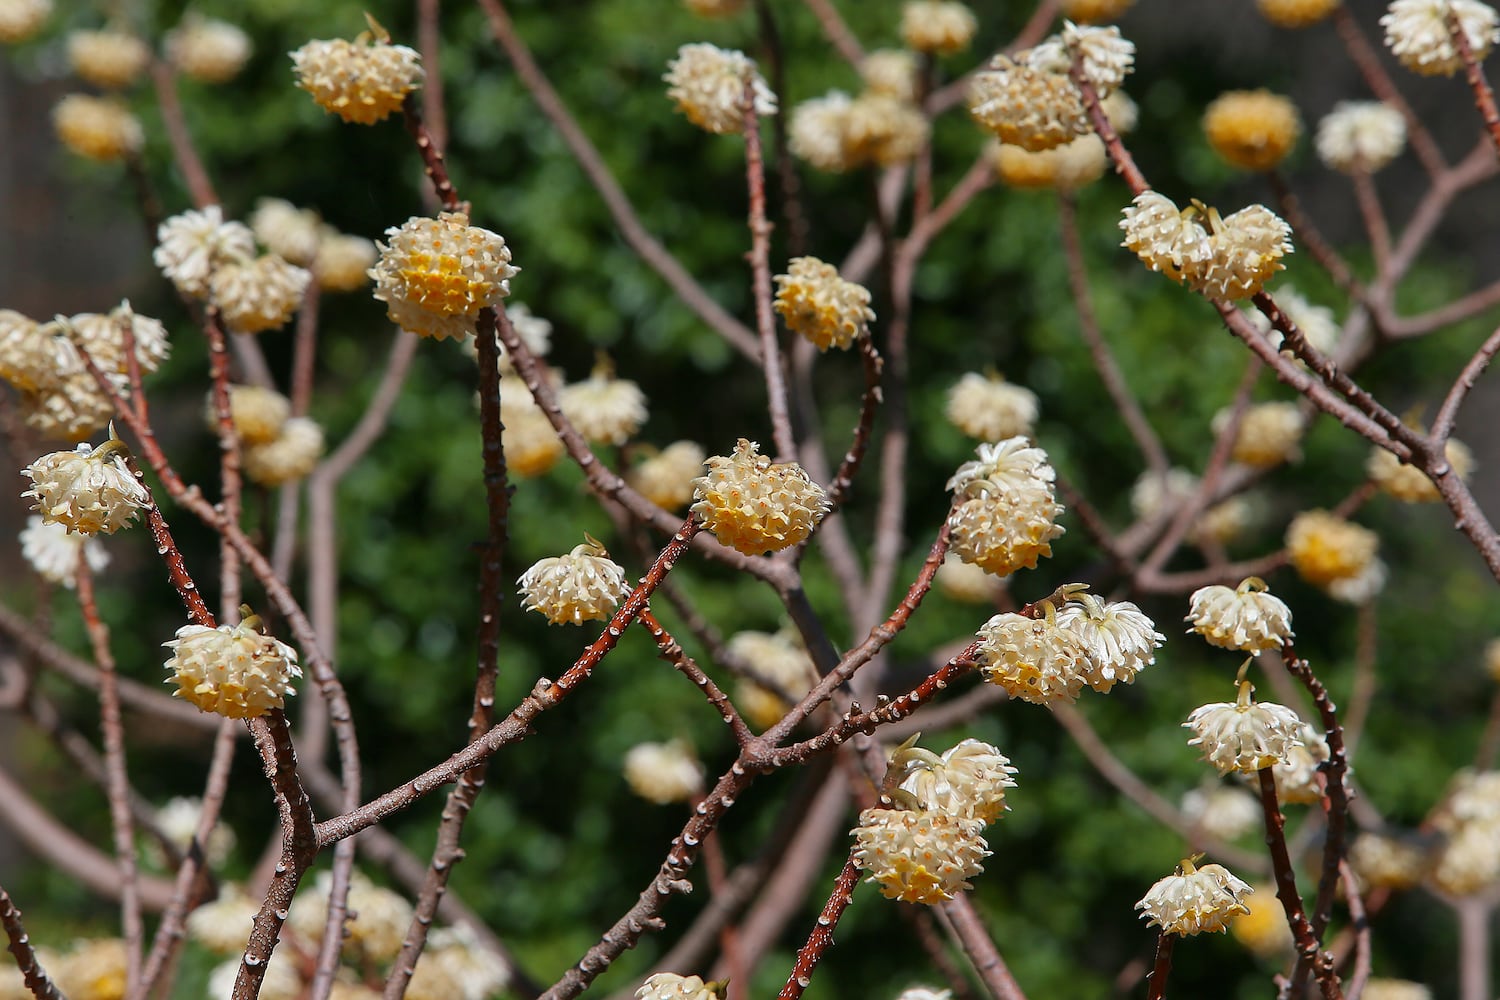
(1161, 968)
(1474, 948)
(1312, 238)
(1360, 919)
(837, 31)
(870, 400)
(683, 284)
(1104, 361)
(1460, 309)
(1484, 97)
(432, 156)
(1118, 154)
(1286, 888)
(1447, 415)
(671, 650)
(981, 949)
(1376, 227)
(448, 852)
(792, 214)
(118, 781)
(184, 153)
(19, 945)
(821, 936)
(305, 348)
(1370, 66)
(429, 43)
(760, 269)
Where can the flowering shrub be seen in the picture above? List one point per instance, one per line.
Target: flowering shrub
(902, 373)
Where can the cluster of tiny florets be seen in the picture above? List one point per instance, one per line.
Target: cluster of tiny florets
(99, 128)
(233, 670)
(918, 856)
(56, 553)
(670, 986)
(258, 295)
(1222, 810)
(1410, 484)
(87, 490)
(207, 49)
(1360, 136)
(292, 233)
(838, 133)
(362, 81)
(990, 408)
(1033, 659)
(1269, 434)
(969, 780)
(584, 585)
(754, 505)
(891, 73)
(818, 304)
(604, 408)
(1244, 735)
(1252, 129)
(666, 478)
(1194, 900)
(289, 456)
(1417, 33)
(1005, 517)
(1468, 860)
(532, 446)
(435, 275)
(663, 772)
(1338, 555)
(1025, 106)
(1295, 13)
(708, 85)
(109, 59)
(1226, 258)
(194, 244)
(1118, 639)
(1067, 167)
(937, 26)
(1248, 618)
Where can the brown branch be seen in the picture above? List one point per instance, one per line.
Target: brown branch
(305, 347)
(671, 650)
(1286, 889)
(1118, 154)
(448, 852)
(1367, 60)
(656, 256)
(1447, 415)
(760, 285)
(837, 31)
(1161, 968)
(1484, 97)
(842, 482)
(1474, 948)
(1360, 920)
(1312, 239)
(117, 783)
(821, 936)
(1460, 309)
(1104, 360)
(32, 973)
(184, 153)
(1376, 227)
(792, 213)
(981, 949)
(432, 157)
(429, 43)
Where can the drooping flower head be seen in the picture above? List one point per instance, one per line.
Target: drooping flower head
(88, 490)
(917, 856)
(1032, 659)
(584, 585)
(708, 85)
(1417, 33)
(1360, 136)
(968, 781)
(1194, 900)
(1118, 639)
(235, 671)
(754, 505)
(663, 772)
(1006, 512)
(1244, 735)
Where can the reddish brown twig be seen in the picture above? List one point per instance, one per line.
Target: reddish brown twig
(837, 31)
(1447, 415)
(981, 949)
(1311, 238)
(305, 347)
(1336, 797)
(1484, 97)
(821, 936)
(760, 284)
(449, 852)
(1161, 967)
(118, 781)
(32, 973)
(1360, 919)
(869, 402)
(656, 256)
(429, 43)
(671, 650)
(792, 214)
(432, 157)
(1286, 889)
(184, 153)
(273, 740)
(1118, 154)
(1370, 66)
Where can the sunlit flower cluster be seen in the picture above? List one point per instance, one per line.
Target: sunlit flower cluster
(708, 85)
(1195, 900)
(754, 505)
(362, 81)
(583, 585)
(1228, 257)
(1005, 512)
(235, 671)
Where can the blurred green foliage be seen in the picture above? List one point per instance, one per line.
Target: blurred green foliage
(557, 847)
